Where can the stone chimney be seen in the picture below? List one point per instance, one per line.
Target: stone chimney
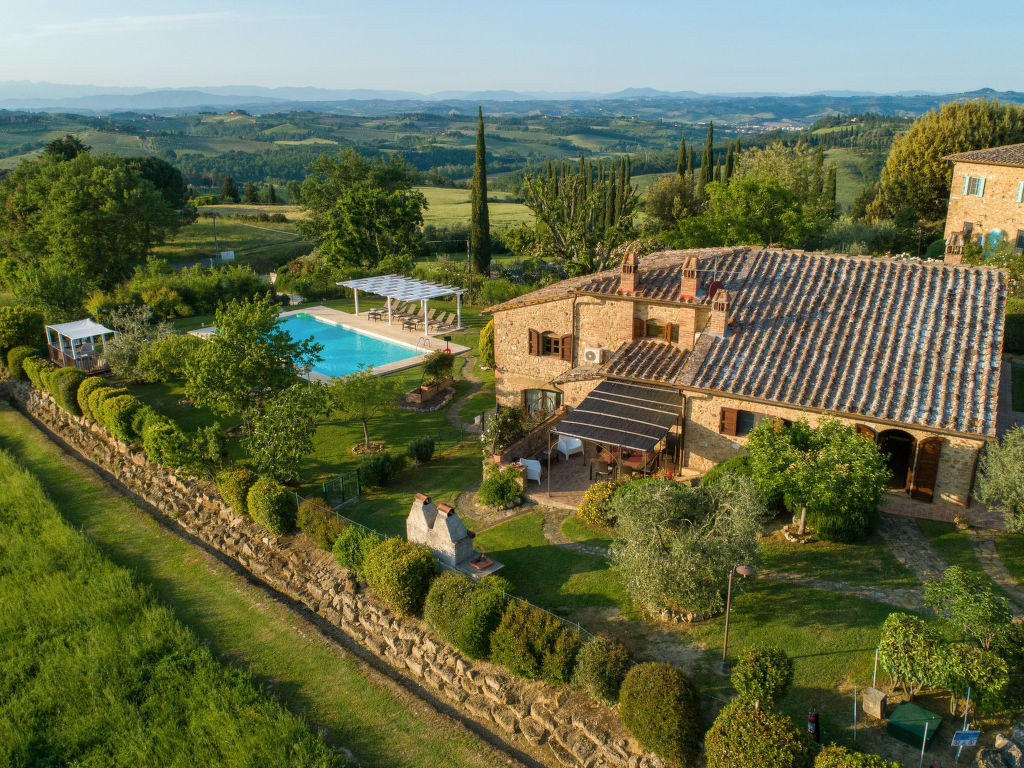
(690, 284)
(629, 279)
(719, 322)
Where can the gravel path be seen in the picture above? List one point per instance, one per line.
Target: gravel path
(911, 547)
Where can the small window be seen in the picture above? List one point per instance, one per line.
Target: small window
(737, 423)
(746, 421)
(1019, 245)
(550, 344)
(974, 185)
(968, 229)
(541, 400)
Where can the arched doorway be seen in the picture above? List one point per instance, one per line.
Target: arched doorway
(898, 448)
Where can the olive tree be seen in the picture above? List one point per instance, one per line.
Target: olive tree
(363, 395)
(1000, 480)
(676, 545)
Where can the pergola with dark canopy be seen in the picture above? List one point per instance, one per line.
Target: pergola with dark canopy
(405, 289)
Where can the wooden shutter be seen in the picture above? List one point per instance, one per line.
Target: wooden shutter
(639, 328)
(727, 419)
(566, 348)
(668, 331)
(865, 431)
(926, 469)
(534, 342)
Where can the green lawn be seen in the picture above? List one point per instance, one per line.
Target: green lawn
(259, 243)
(243, 625)
(870, 563)
(574, 530)
(1011, 551)
(954, 546)
(450, 208)
(1017, 384)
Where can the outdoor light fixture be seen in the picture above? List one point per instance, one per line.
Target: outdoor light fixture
(742, 570)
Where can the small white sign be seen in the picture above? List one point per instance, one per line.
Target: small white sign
(227, 255)
(965, 738)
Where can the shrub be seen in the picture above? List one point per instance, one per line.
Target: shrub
(352, 546)
(20, 326)
(756, 738)
(66, 383)
(481, 616)
(98, 397)
(31, 366)
(763, 675)
(487, 344)
(534, 644)
(421, 450)
(164, 359)
(400, 572)
(660, 707)
(377, 469)
(233, 485)
(46, 372)
(85, 390)
(118, 413)
(505, 427)
(165, 444)
(601, 667)
(834, 756)
(15, 361)
(500, 486)
(142, 418)
(317, 520)
(737, 465)
(445, 603)
(271, 506)
(593, 510)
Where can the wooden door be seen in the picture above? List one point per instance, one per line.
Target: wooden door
(865, 431)
(926, 469)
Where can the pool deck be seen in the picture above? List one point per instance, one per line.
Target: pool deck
(420, 345)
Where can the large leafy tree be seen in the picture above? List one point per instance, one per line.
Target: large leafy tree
(247, 360)
(915, 181)
(362, 213)
(480, 218)
(830, 475)
(675, 545)
(68, 227)
(363, 395)
(281, 431)
(1000, 480)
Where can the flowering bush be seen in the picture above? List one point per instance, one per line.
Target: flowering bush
(593, 510)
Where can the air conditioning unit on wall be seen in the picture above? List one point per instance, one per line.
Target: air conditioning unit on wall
(593, 356)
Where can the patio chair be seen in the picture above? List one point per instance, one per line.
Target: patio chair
(570, 447)
(602, 470)
(532, 469)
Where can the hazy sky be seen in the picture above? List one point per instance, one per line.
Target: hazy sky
(744, 45)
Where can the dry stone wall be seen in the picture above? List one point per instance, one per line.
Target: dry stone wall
(554, 724)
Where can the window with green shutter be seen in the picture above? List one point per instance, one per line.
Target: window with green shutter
(1020, 191)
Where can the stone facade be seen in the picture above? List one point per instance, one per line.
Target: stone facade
(704, 445)
(997, 208)
(554, 725)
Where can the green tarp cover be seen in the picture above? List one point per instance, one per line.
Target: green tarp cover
(907, 722)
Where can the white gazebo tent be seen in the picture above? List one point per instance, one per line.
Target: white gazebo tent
(78, 343)
(406, 289)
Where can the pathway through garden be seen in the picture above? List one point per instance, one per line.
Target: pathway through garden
(452, 414)
(911, 547)
(984, 543)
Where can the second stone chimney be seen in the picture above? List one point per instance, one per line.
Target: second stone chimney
(719, 322)
(690, 283)
(629, 279)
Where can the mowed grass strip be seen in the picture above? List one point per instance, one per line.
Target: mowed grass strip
(93, 671)
(311, 677)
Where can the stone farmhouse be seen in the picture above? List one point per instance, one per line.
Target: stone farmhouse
(986, 200)
(682, 353)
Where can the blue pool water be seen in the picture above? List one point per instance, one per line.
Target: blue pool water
(344, 350)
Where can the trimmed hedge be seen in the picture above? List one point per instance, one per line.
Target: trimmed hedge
(763, 674)
(85, 390)
(601, 666)
(46, 374)
(15, 361)
(421, 450)
(271, 506)
(756, 738)
(737, 465)
(317, 520)
(532, 643)
(31, 365)
(165, 444)
(118, 413)
(500, 486)
(661, 708)
(377, 469)
(352, 546)
(233, 485)
(142, 419)
(66, 382)
(444, 604)
(400, 572)
(834, 756)
(481, 617)
(98, 397)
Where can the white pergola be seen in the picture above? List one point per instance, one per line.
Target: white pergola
(406, 289)
(75, 343)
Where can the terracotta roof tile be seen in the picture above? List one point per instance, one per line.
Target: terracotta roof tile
(647, 359)
(1011, 154)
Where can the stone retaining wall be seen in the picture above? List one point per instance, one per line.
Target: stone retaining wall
(554, 724)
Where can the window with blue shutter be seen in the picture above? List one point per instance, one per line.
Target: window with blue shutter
(1020, 191)
(974, 185)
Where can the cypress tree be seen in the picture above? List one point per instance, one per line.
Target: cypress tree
(707, 162)
(681, 162)
(250, 195)
(830, 185)
(819, 177)
(718, 171)
(691, 161)
(480, 225)
(229, 191)
(271, 195)
(730, 164)
(609, 201)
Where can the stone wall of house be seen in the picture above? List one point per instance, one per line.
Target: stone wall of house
(704, 446)
(555, 725)
(996, 209)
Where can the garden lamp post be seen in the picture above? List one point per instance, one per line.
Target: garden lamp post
(742, 570)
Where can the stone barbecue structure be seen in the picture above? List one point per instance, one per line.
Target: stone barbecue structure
(906, 351)
(439, 527)
(986, 200)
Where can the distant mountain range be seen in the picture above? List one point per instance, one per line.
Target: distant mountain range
(646, 102)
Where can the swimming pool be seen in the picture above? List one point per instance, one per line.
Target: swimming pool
(345, 350)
